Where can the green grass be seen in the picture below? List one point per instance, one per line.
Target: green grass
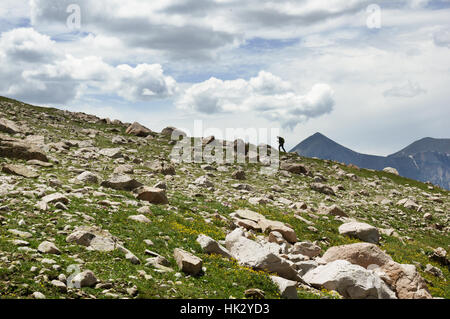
(179, 224)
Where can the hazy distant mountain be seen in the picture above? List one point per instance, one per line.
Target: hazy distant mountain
(426, 160)
(427, 144)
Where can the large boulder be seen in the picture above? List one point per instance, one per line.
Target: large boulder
(138, 130)
(8, 126)
(362, 254)
(351, 281)
(251, 254)
(404, 279)
(362, 231)
(19, 170)
(15, 148)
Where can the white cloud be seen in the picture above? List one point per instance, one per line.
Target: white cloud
(27, 45)
(36, 70)
(266, 96)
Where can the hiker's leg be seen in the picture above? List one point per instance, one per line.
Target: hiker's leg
(283, 148)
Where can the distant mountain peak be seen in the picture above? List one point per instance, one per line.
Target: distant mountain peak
(425, 159)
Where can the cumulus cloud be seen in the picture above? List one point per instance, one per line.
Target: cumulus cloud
(409, 90)
(266, 95)
(34, 69)
(27, 45)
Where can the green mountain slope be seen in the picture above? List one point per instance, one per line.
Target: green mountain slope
(56, 217)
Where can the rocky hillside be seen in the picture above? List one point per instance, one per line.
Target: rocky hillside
(94, 208)
(426, 160)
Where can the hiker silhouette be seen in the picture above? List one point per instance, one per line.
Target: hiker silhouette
(281, 144)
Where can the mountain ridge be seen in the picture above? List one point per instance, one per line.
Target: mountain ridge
(427, 159)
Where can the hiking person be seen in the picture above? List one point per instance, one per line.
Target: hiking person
(281, 144)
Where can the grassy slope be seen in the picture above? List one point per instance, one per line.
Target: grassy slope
(179, 224)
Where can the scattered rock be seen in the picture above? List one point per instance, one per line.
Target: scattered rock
(254, 293)
(84, 279)
(210, 246)
(38, 295)
(138, 130)
(391, 170)
(121, 182)
(287, 288)
(322, 188)
(151, 195)
(14, 148)
(47, 247)
(8, 126)
(333, 210)
(362, 231)
(187, 262)
(294, 168)
(307, 248)
(87, 178)
(139, 218)
(19, 170)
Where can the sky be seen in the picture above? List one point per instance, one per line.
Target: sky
(373, 76)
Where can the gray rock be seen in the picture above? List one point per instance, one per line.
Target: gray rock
(351, 281)
(287, 288)
(362, 231)
(151, 195)
(210, 246)
(121, 182)
(187, 262)
(255, 255)
(84, 279)
(47, 247)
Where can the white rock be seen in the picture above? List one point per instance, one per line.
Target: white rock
(210, 246)
(363, 231)
(287, 288)
(139, 218)
(255, 255)
(84, 279)
(47, 247)
(38, 295)
(351, 281)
